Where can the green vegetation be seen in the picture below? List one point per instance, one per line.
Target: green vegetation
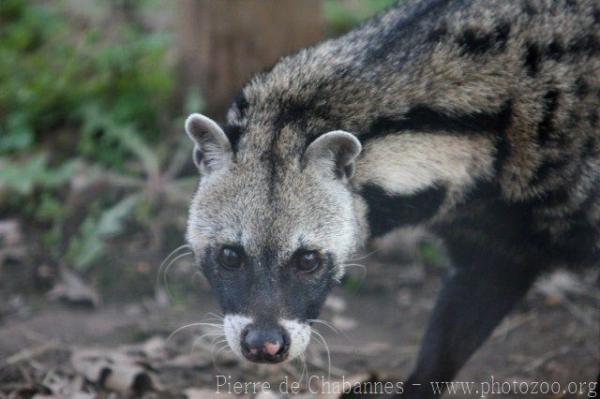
(344, 15)
(84, 101)
(53, 67)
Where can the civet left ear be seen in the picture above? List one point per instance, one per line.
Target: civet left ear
(212, 147)
(336, 151)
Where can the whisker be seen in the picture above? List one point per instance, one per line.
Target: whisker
(174, 252)
(217, 315)
(210, 316)
(365, 256)
(213, 319)
(363, 267)
(215, 348)
(304, 373)
(199, 324)
(217, 333)
(345, 266)
(223, 348)
(322, 339)
(218, 345)
(198, 340)
(167, 259)
(166, 273)
(216, 352)
(326, 324)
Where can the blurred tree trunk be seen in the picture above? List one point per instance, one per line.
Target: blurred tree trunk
(222, 43)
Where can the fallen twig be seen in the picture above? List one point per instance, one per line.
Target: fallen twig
(30, 353)
(536, 363)
(512, 324)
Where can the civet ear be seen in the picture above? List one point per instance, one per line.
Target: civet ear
(212, 148)
(335, 151)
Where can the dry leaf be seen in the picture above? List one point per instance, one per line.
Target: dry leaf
(189, 360)
(61, 386)
(335, 303)
(334, 387)
(267, 395)
(153, 348)
(344, 323)
(73, 290)
(114, 370)
(11, 240)
(202, 393)
(556, 286)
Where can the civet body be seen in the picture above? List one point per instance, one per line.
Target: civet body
(479, 119)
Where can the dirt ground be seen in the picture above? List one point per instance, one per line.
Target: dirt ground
(553, 336)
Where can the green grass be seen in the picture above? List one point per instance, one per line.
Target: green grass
(343, 15)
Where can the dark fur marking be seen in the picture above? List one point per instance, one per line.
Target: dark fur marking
(503, 149)
(589, 148)
(233, 131)
(401, 28)
(502, 34)
(586, 44)
(388, 211)
(554, 51)
(487, 217)
(234, 134)
(272, 163)
(438, 33)
(596, 15)
(546, 125)
(475, 42)
(291, 111)
(589, 202)
(532, 59)
(241, 102)
(198, 156)
(578, 243)
(548, 168)
(529, 9)
(572, 121)
(582, 88)
(299, 113)
(555, 197)
(497, 221)
(593, 119)
(426, 119)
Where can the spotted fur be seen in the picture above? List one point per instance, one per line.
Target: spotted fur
(478, 118)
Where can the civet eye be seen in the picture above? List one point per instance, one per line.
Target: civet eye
(231, 257)
(307, 261)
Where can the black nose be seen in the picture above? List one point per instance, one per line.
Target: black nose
(265, 345)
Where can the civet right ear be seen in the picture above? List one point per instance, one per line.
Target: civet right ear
(336, 151)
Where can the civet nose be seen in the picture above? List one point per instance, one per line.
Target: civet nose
(265, 345)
